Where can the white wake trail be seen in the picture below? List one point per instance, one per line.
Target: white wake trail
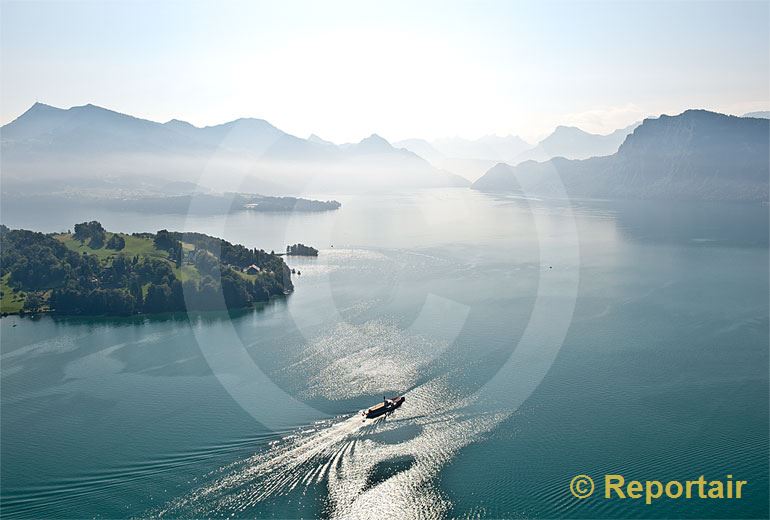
(366, 475)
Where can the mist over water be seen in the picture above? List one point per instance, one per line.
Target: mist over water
(662, 371)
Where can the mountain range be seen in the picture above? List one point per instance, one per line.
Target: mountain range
(762, 114)
(694, 155)
(489, 147)
(573, 143)
(83, 142)
(472, 158)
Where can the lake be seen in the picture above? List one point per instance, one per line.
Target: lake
(534, 341)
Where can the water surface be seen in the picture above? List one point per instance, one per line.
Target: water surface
(662, 371)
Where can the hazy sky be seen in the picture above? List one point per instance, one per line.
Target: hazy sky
(402, 69)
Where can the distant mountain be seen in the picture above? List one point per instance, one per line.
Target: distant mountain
(92, 142)
(89, 129)
(471, 169)
(422, 148)
(254, 136)
(371, 145)
(317, 140)
(466, 157)
(694, 155)
(573, 143)
(376, 154)
(489, 148)
(472, 158)
(765, 114)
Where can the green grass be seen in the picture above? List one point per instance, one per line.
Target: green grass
(187, 272)
(11, 301)
(249, 277)
(135, 246)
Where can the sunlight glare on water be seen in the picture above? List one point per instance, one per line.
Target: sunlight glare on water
(345, 454)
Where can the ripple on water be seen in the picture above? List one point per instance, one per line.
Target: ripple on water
(364, 359)
(376, 468)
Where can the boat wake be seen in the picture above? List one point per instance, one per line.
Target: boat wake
(383, 467)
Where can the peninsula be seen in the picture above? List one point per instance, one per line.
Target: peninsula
(91, 271)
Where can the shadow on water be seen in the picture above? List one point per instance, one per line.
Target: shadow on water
(40, 350)
(387, 469)
(205, 317)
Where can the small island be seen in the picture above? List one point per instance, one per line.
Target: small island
(217, 204)
(301, 250)
(92, 272)
(264, 203)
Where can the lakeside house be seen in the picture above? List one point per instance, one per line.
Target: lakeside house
(252, 269)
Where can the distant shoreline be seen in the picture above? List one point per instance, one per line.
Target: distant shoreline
(194, 204)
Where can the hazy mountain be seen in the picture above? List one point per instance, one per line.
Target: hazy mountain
(471, 169)
(373, 144)
(376, 154)
(764, 114)
(317, 140)
(465, 157)
(291, 148)
(573, 143)
(489, 148)
(694, 155)
(472, 158)
(89, 129)
(250, 135)
(88, 142)
(506, 147)
(422, 148)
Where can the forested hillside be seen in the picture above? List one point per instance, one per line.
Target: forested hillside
(91, 271)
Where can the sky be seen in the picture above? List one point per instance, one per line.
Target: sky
(345, 70)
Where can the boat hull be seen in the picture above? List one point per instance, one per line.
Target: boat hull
(384, 407)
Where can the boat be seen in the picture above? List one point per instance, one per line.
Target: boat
(386, 406)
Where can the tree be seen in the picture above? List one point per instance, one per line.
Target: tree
(135, 290)
(85, 284)
(301, 250)
(116, 242)
(33, 302)
(157, 299)
(118, 302)
(167, 242)
(91, 231)
(205, 262)
(163, 240)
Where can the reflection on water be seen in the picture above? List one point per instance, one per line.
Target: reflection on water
(699, 223)
(365, 476)
(662, 372)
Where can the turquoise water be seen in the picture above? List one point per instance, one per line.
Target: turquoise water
(534, 341)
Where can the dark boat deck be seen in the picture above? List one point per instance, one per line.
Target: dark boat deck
(384, 407)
